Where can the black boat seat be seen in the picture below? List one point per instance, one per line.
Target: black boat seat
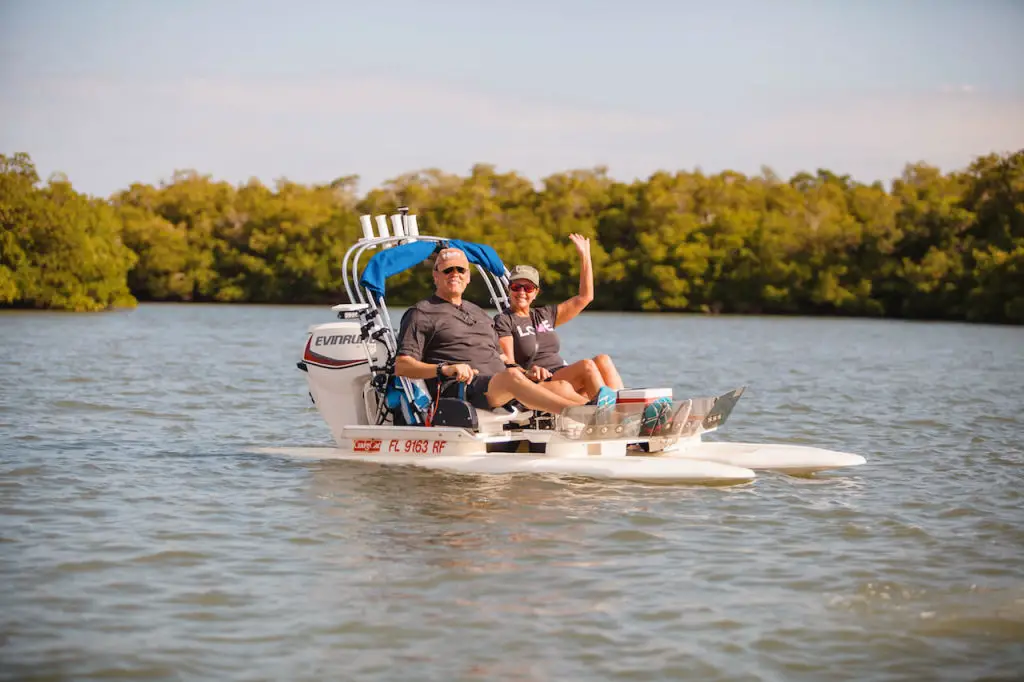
(453, 411)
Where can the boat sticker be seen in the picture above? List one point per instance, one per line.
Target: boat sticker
(366, 445)
(336, 339)
(312, 357)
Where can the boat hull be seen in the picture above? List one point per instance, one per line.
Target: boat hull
(645, 469)
(795, 460)
(417, 442)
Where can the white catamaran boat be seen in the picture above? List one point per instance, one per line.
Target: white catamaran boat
(647, 435)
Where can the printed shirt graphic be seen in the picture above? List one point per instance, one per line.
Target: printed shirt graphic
(533, 338)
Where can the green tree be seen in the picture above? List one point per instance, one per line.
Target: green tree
(60, 249)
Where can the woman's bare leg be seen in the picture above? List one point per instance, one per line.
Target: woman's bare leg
(609, 374)
(514, 385)
(584, 376)
(564, 389)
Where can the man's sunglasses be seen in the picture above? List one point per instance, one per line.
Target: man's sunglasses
(528, 288)
(455, 268)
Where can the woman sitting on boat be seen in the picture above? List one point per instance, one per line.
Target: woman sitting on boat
(528, 334)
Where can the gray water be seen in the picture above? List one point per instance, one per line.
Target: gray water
(142, 537)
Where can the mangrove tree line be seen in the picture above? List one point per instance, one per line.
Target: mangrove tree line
(934, 245)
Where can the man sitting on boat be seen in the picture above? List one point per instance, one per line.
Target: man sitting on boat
(450, 340)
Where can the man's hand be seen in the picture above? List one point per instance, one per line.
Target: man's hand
(460, 372)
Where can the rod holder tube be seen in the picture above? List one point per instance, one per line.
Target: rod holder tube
(364, 221)
(396, 226)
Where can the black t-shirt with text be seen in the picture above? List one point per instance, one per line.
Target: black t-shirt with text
(533, 338)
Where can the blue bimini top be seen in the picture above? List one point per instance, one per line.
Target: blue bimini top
(398, 259)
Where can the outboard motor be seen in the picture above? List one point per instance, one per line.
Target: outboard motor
(337, 364)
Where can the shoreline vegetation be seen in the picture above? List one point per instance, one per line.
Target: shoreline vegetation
(936, 246)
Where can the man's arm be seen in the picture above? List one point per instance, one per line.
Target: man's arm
(406, 366)
(411, 339)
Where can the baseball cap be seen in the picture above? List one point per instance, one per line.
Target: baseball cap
(449, 257)
(527, 272)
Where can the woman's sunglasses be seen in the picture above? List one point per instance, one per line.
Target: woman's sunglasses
(455, 268)
(528, 288)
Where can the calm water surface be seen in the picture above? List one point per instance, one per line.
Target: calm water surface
(141, 536)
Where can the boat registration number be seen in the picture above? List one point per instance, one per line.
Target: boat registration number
(420, 446)
(416, 446)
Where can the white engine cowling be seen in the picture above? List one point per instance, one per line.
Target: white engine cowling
(338, 373)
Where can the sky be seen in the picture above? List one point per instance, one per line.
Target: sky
(112, 92)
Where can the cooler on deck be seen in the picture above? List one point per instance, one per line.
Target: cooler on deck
(642, 396)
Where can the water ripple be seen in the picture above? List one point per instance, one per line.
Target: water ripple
(143, 539)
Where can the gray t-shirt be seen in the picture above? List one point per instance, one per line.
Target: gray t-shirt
(437, 331)
(533, 338)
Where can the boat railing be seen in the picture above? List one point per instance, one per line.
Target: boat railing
(375, 319)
